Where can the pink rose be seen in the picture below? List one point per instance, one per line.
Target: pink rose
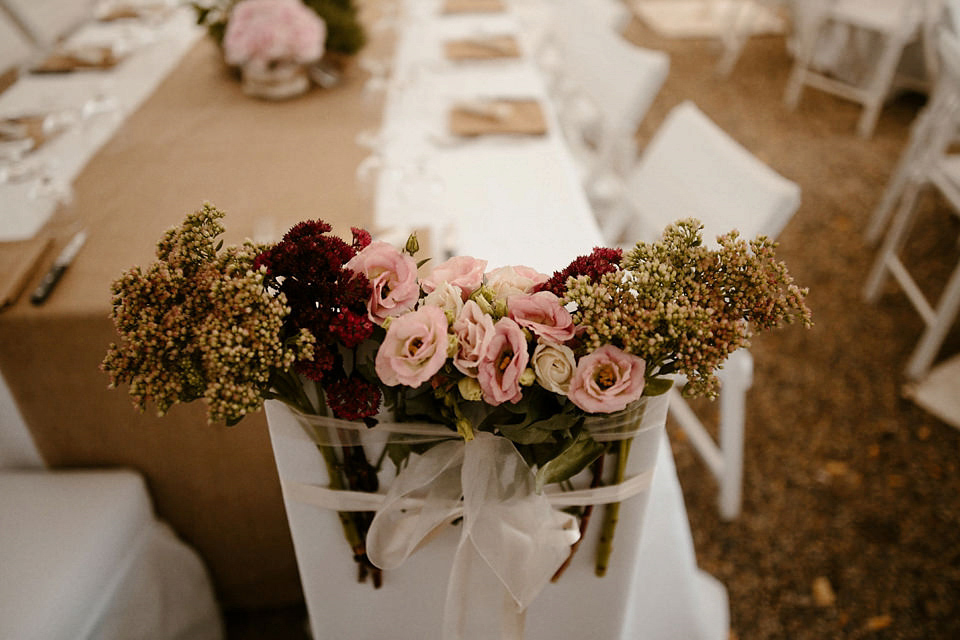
(393, 276)
(462, 271)
(474, 330)
(543, 314)
(607, 380)
(504, 361)
(273, 30)
(509, 281)
(414, 348)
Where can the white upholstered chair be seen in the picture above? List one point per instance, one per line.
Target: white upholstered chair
(605, 88)
(692, 168)
(896, 23)
(82, 556)
(16, 45)
(47, 21)
(931, 165)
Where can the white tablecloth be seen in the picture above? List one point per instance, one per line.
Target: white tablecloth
(516, 200)
(95, 103)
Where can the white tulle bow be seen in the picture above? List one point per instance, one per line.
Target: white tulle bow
(517, 533)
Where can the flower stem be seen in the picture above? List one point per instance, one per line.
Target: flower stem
(612, 513)
(352, 523)
(597, 471)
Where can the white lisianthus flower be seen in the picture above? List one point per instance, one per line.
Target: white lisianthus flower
(448, 297)
(554, 365)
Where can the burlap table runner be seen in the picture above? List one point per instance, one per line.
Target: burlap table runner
(268, 165)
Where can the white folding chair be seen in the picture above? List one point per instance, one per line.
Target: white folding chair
(48, 21)
(743, 18)
(608, 84)
(936, 109)
(16, 46)
(897, 24)
(936, 167)
(691, 167)
(83, 556)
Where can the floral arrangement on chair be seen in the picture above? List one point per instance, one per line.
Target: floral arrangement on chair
(352, 328)
(271, 41)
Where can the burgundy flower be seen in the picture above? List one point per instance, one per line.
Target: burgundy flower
(353, 398)
(307, 266)
(602, 260)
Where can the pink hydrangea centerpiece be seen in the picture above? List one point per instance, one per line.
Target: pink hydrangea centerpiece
(265, 32)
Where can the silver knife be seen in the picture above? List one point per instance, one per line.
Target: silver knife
(58, 267)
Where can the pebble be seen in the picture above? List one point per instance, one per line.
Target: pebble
(823, 595)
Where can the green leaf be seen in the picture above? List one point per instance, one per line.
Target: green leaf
(522, 434)
(398, 452)
(657, 386)
(571, 461)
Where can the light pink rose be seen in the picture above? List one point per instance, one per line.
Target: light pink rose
(543, 314)
(474, 330)
(263, 31)
(461, 271)
(510, 281)
(393, 276)
(414, 348)
(503, 363)
(607, 380)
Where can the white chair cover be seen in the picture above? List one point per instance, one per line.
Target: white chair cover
(83, 557)
(50, 20)
(692, 168)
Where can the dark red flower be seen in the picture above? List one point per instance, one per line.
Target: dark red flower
(326, 299)
(353, 398)
(351, 328)
(602, 260)
(361, 238)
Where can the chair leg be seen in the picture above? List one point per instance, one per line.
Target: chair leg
(738, 31)
(926, 350)
(907, 166)
(737, 378)
(798, 76)
(896, 236)
(879, 85)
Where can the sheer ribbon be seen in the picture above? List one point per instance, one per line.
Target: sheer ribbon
(517, 533)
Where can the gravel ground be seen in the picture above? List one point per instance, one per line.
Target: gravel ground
(851, 514)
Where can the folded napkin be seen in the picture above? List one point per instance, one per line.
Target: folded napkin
(20, 128)
(482, 48)
(18, 264)
(473, 6)
(78, 59)
(119, 11)
(498, 116)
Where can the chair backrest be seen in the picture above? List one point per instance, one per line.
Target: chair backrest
(616, 79)
(17, 449)
(49, 20)
(692, 168)
(16, 48)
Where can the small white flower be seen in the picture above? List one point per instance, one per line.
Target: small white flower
(554, 365)
(448, 297)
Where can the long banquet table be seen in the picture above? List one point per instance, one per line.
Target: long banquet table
(268, 165)
(197, 138)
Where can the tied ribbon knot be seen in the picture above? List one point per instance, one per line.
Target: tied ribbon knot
(513, 529)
